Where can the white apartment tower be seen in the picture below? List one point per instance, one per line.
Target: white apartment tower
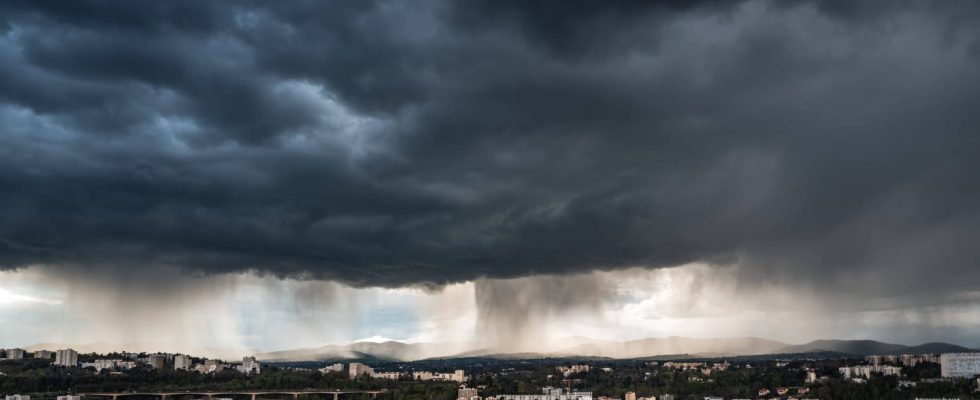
(66, 357)
(182, 361)
(250, 366)
(357, 369)
(43, 355)
(157, 361)
(15, 354)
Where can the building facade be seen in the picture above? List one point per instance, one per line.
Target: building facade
(466, 393)
(157, 361)
(250, 366)
(548, 393)
(338, 367)
(15, 354)
(959, 365)
(357, 369)
(66, 357)
(182, 361)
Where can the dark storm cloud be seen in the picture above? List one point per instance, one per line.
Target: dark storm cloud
(384, 143)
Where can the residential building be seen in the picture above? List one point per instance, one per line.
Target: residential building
(548, 393)
(18, 397)
(959, 365)
(157, 361)
(574, 369)
(357, 369)
(250, 366)
(466, 393)
(338, 367)
(69, 397)
(209, 366)
(66, 357)
(629, 396)
(865, 371)
(455, 376)
(15, 354)
(182, 361)
(43, 354)
(386, 375)
(102, 364)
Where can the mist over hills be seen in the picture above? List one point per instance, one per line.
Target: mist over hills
(567, 347)
(868, 347)
(585, 347)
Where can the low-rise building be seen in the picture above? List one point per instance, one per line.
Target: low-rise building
(102, 364)
(209, 367)
(455, 376)
(338, 367)
(386, 375)
(865, 371)
(574, 369)
(548, 393)
(466, 393)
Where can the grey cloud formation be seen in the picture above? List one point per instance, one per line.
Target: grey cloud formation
(402, 143)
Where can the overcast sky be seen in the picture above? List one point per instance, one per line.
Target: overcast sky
(271, 175)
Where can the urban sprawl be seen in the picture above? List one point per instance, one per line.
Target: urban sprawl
(66, 375)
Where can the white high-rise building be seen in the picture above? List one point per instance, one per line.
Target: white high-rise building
(43, 355)
(250, 366)
(182, 361)
(357, 369)
(66, 358)
(15, 354)
(157, 361)
(959, 365)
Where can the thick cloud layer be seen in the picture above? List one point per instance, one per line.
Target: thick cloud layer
(401, 143)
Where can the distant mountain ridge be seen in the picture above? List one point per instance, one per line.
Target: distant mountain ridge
(592, 348)
(869, 347)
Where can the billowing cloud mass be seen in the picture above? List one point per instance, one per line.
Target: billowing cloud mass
(822, 146)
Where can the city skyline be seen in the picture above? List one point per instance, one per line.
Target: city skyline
(490, 174)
